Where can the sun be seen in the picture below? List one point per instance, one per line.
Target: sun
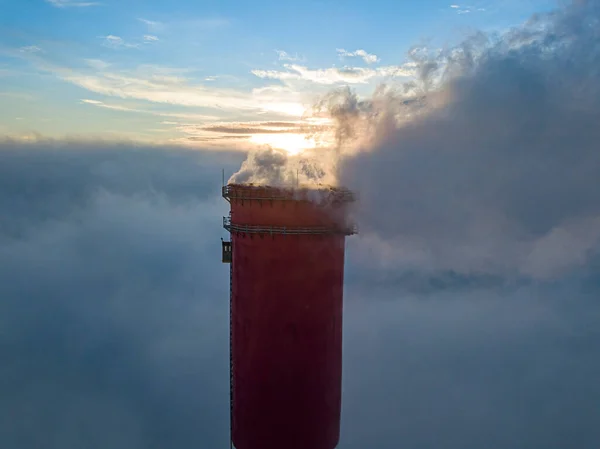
(291, 142)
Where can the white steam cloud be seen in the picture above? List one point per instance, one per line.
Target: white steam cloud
(487, 162)
(268, 166)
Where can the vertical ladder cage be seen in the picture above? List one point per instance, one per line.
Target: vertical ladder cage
(230, 354)
(226, 257)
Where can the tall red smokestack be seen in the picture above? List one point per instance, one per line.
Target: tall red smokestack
(287, 270)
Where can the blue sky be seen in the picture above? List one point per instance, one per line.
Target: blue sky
(164, 71)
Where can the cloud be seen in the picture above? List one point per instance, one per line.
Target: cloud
(97, 64)
(113, 328)
(185, 116)
(284, 56)
(117, 42)
(167, 85)
(197, 128)
(30, 49)
(334, 75)
(175, 86)
(149, 38)
(71, 3)
(488, 156)
(115, 321)
(161, 89)
(466, 9)
(488, 350)
(369, 58)
(152, 24)
(95, 103)
(290, 136)
(257, 127)
(227, 129)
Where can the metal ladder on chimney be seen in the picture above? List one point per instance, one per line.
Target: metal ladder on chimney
(230, 355)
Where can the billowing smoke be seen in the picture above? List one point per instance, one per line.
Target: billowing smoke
(268, 166)
(490, 161)
(486, 163)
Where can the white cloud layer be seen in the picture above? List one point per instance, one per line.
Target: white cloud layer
(114, 308)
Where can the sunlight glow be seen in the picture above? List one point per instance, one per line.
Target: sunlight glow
(287, 108)
(292, 143)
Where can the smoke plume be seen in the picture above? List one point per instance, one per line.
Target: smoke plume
(268, 166)
(489, 162)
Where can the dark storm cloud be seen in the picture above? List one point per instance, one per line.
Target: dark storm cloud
(110, 287)
(497, 168)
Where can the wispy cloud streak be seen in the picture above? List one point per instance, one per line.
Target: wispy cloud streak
(71, 3)
(369, 58)
(116, 42)
(334, 75)
(116, 107)
(285, 56)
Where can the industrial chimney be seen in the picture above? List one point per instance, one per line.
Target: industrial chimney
(287, 267)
